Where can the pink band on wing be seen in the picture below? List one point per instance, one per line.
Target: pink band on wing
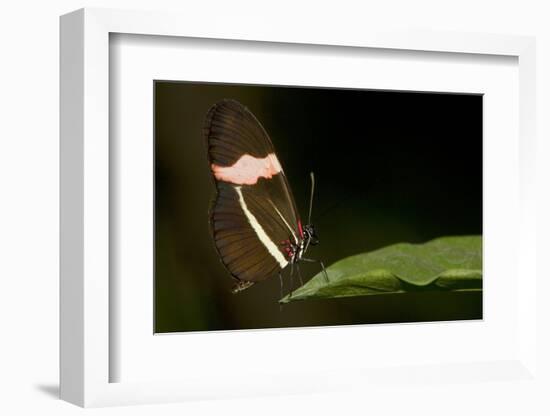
(248, 169)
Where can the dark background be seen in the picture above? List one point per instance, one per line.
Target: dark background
(390, 167)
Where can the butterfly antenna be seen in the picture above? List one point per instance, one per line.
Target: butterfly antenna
(312, 176)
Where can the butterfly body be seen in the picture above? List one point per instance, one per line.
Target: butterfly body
(255, 225)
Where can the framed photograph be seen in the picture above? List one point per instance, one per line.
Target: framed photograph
(259, 214)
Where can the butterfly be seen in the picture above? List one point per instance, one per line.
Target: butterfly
(256, 227)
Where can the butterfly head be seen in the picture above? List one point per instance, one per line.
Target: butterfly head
(311, 235)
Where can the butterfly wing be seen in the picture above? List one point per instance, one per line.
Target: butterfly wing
(254, 216)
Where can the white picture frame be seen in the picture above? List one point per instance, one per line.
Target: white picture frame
(85, 217)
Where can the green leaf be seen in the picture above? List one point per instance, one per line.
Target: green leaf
(443, 264)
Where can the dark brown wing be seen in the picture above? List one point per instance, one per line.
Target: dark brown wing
(254, 215)
(237, 242)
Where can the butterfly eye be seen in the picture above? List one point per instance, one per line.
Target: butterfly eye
(313, 239)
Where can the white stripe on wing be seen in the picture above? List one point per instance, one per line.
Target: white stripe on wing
(284, 220)
(260, 232)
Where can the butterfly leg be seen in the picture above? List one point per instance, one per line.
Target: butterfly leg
(299, 274)
(291, 279)
(322, 266)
